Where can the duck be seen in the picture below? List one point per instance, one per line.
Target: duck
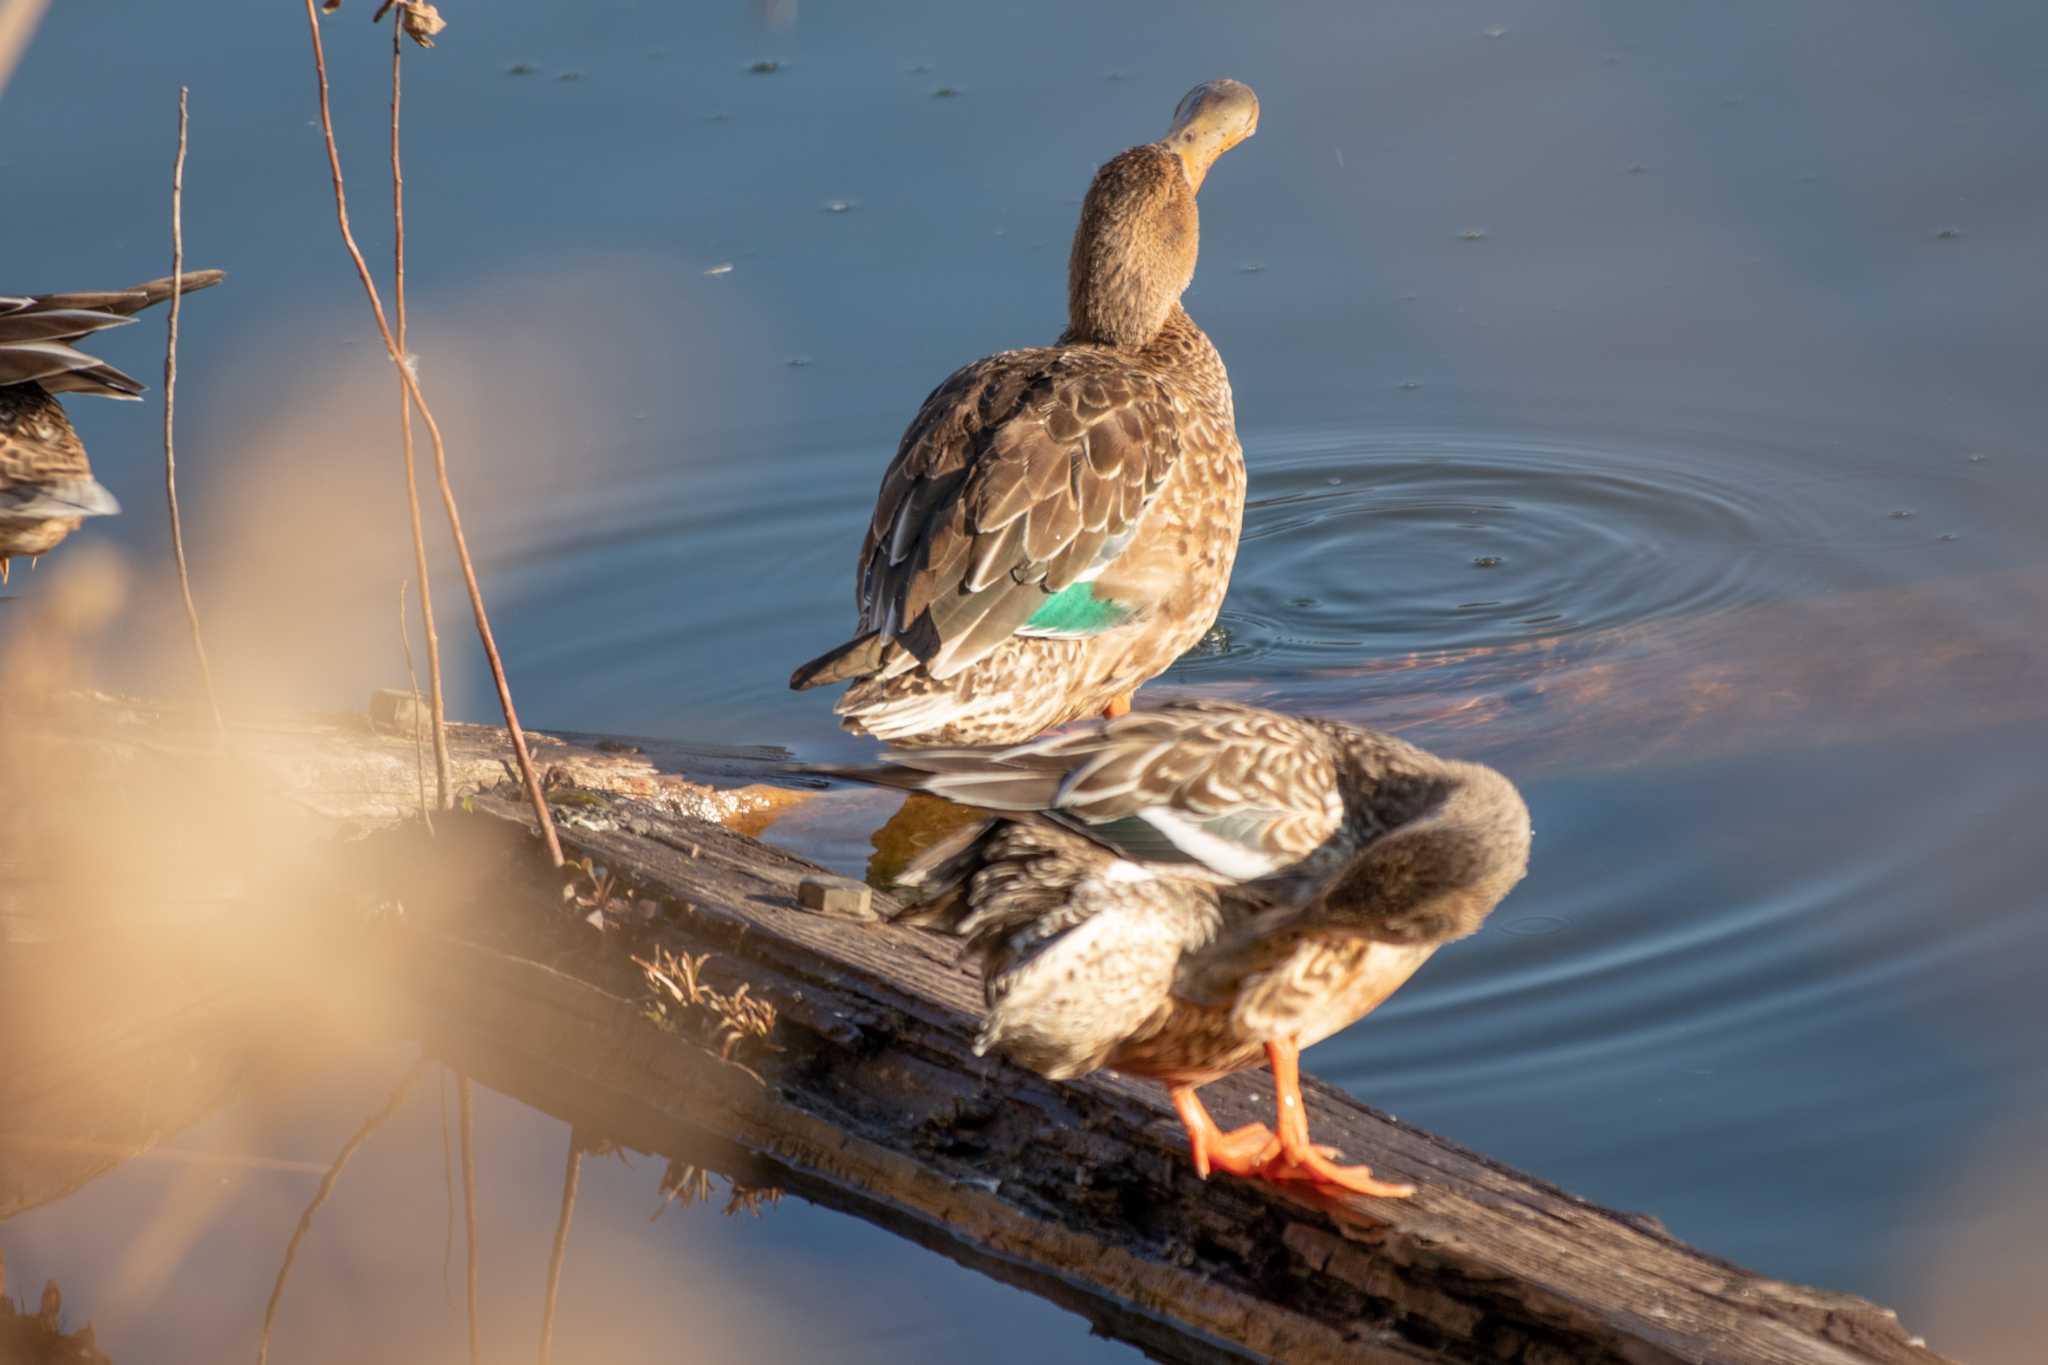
(1185, 892)
(46, 483)
(1059, 523)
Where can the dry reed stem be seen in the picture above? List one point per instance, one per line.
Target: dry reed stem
(291, 1250)
(419, 757)
(220, 728)
(444, 795)
(447, 1182)
(571, 1176)
(412, 388)
(465, 1095)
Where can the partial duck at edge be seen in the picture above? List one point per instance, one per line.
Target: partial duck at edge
(46, 483)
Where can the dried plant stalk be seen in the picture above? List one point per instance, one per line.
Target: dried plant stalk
(465, 1096)
(419, 758)
(291, 1250)
(571, 1177)
(220, 728)
(419, 401)
(444, 795)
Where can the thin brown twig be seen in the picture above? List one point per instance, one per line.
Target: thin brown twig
(291, 1250)
(447, 1182)
(419, 757)
(571, 1176)
(444, 795)
(466, 1102)
(220, 728)
(412, 387)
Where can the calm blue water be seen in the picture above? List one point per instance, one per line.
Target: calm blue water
(1717, 328)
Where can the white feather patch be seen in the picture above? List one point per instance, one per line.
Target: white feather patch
(1218, 854)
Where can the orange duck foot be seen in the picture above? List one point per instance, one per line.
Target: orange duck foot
(1241, 1151)
(1121, 706)
(1300, 1159)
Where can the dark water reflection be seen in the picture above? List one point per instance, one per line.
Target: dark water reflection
(1770, 977)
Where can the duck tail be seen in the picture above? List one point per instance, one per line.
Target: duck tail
(860, 657)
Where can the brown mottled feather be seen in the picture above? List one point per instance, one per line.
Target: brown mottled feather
(1357, 856)
(1110, 458)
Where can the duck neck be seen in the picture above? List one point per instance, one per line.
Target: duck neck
(1134, 251)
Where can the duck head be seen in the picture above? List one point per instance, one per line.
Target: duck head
(1134, 251)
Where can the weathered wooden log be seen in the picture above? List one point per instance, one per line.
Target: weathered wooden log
(863, 1094)
(867, 1097)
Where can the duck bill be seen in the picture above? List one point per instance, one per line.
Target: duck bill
(1211, 119)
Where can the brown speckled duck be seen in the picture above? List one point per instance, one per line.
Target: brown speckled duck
(46, 482)
(1180, 894)
(1059, 523)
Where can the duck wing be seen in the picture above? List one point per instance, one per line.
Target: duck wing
(1211, 790)
(1020, 481)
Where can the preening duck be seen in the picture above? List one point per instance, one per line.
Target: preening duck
(1059, 523)
(1183, 893)
(46, 482)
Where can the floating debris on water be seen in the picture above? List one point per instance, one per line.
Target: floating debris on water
(1112, 75)
(921, 69)
(1533, 926)
(798, 362)
(1496, 31)
(841, 205)
(1487, 561)
(1472, 235)
(1251, 268)
(521, 69)
(722, 268)
(1947, 234)
(1979, 457)
(1902, 514)
(570, 76)
(1334, 480)
(1947, 537)
(944, 92)
(764, 67)
(1410, 385)
(718, 116)
(1637, 168)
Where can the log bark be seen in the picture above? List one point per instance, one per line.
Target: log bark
(872, 1101)
(864, 1094)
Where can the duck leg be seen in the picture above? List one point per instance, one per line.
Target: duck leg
(1241, 1151)
(1298, 1158)
(1120, 705)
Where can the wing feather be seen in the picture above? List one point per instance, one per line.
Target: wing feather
(1021, 475)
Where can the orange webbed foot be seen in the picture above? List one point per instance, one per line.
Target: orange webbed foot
(1120, 706)
(1300, 1159)
(1241, 1151)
